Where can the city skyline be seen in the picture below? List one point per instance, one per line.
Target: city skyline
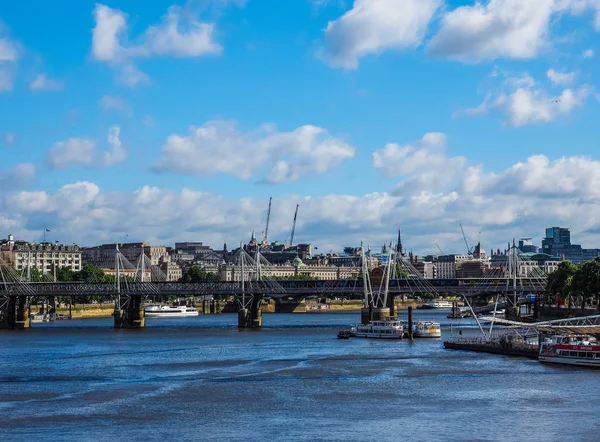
(173, 121)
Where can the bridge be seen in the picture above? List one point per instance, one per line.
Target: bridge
(16, 297)
(273, 288)
(377, 287)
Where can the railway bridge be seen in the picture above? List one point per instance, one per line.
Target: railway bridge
(17, 296)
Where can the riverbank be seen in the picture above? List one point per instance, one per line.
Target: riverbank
(79, 311)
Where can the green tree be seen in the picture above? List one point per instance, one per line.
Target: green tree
(559, 281)
(199, 274)
(65, 274)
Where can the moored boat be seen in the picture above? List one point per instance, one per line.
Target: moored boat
(383, 329)
(37, 318)
(439, 303)
(583, 350)
(165, 311)
(425, 329)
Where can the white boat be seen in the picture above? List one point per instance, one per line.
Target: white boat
(425, 329)
(165, 311)
(37, 318)
(580, 350)
(439, 303)
(384, 329)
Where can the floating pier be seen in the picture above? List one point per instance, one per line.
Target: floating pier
(502, 347)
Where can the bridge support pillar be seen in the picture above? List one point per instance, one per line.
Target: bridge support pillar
(132, 315)
(14, 313)
(391, 305)
(373, 314)
(251, 317)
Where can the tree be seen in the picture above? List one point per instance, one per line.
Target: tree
(198, 274)
(559, 282)
(65, 274)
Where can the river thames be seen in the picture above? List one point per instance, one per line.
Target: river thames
(203, 379)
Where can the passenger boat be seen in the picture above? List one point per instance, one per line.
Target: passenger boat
(165, 311)
(439, 303)
(425, 329)
(581, 350)
(383, 329)
(37, 318)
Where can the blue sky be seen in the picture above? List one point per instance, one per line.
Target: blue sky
(369, 114)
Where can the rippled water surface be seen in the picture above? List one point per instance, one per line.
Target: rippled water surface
(203, 379)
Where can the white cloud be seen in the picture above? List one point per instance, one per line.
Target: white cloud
(290, 155)
(74, 151)
(519, 201)
(178, 35)
(116, 103)
(588, 53)
(116, 153)
(493, 29)
(82, 152)
(43, 83)
(561, 78)
(374, 26)
(523, 101)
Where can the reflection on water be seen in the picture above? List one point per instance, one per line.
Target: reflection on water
(203, 379)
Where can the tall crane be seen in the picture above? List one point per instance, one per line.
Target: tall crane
(294, 225)
(469, 250)
(265, 240)
(439, 248)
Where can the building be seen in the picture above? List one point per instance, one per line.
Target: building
(45, 257)
(170, 271)
(526, 246)
(229, 272)
(157, 259)
(558, 243)
(446, 265)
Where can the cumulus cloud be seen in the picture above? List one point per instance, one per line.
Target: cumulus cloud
(588, 53)
(519, 201)
(43, 83)
(560, 78)
(493, 29)
(177, 35)
(82, 152)
(524, 101)
(375, 26)
(218, 147)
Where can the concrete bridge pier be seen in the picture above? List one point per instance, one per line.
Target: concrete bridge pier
(373, 314)
(15, 313)
(296, 305)
(251, 317)
(132, 315)
(391, 304)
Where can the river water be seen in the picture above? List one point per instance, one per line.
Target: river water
(203, 379)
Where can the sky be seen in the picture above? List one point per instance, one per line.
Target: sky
(164, 121)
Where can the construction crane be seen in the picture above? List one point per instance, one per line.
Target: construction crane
(469, 250)
(439, 248)
(265, 240)
(294, 226)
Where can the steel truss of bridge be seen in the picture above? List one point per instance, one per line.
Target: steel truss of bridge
(467, 287)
